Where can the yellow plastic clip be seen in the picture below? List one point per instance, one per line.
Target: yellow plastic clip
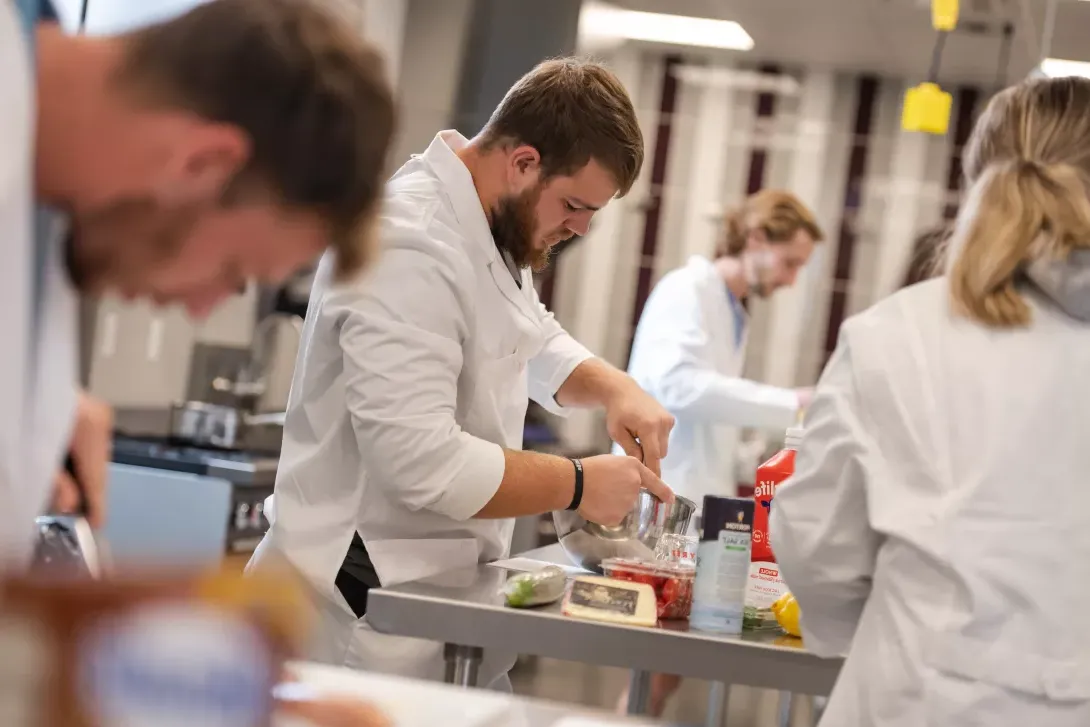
(927, 109)
(944, 14)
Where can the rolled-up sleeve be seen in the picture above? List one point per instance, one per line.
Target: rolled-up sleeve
(552, 366)
(820, 529)
(401, 336)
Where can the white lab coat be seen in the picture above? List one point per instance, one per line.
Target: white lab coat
(688, 353)
(37, 388)
(940, 515)
(407, 387)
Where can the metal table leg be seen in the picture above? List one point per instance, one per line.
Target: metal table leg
(639, 693)
(463, 663)
(784, 717)
(718, 703)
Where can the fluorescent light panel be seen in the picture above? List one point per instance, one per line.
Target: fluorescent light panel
(606, 21)
(1057, 67)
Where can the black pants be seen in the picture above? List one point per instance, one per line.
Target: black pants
(357, 576)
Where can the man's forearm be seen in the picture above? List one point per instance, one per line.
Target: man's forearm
(533, 484)
(592, 383)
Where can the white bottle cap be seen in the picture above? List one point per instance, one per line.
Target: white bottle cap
(793, 438)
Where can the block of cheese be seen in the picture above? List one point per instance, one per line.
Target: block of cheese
(611, 600)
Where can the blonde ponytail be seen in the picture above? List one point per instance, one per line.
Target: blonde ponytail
(1016, 212)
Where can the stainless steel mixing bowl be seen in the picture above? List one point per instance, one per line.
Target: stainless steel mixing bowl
(588, 544)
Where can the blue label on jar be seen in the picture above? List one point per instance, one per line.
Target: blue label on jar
(175, 666)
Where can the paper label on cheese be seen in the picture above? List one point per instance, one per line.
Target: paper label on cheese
(607, 598)
(613, 601)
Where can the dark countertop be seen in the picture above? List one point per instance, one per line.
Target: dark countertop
(240, 468)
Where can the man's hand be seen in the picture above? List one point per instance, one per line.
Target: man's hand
(631, 415)
(92, 438)
(611, 485)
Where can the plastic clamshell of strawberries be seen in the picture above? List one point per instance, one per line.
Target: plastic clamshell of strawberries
(673, 584)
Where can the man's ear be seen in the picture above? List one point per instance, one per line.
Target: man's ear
(203, 163)
(524, 165)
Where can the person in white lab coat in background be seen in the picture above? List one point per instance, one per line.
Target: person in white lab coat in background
(402, 444)
(690, 348)
(690, 345)
(935, 530)
(171, 164)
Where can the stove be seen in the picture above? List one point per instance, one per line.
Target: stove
(250, 474)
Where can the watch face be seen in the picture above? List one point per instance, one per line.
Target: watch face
(175, 665)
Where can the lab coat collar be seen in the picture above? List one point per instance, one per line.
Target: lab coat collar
(442, 157)
(728, 308)
(1065, 282)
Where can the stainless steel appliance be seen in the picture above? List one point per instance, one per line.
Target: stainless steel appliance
(200, 424)
(227, 421)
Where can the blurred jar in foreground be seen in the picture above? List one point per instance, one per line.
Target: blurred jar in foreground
(164, 651)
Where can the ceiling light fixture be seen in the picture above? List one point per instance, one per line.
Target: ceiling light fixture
(1058, 67)
(600, 21)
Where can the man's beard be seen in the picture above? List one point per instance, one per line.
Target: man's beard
(118, 244)
(513, 227)
(757, 267)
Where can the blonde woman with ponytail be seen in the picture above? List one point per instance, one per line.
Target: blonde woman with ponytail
(937, 531)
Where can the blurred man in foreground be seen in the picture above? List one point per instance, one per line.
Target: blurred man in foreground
(172, 164)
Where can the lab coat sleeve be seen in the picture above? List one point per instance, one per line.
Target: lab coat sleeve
(677, 359)
(401, 337)
(552, 366)
(22, 485)
(820, 530)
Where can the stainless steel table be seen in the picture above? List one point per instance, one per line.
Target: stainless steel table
(465, 610)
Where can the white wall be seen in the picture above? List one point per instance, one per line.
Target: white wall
(431, 64)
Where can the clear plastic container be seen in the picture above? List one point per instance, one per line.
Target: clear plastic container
(676, 549)
(672, 583)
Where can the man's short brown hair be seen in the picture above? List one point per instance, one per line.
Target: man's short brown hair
(571, 110)
(309, 93)
(779, 214)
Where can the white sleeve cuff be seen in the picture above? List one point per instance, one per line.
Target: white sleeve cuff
(480, 474)
(552, 367)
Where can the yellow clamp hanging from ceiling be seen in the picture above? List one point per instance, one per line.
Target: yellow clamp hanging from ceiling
(944, 14)
(927, 107)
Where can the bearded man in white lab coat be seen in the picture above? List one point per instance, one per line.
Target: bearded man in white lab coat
(402, 453)
(173, 164)
(690, 346)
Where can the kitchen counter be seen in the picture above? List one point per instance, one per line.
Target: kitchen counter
(465, 610)
(411, 703)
